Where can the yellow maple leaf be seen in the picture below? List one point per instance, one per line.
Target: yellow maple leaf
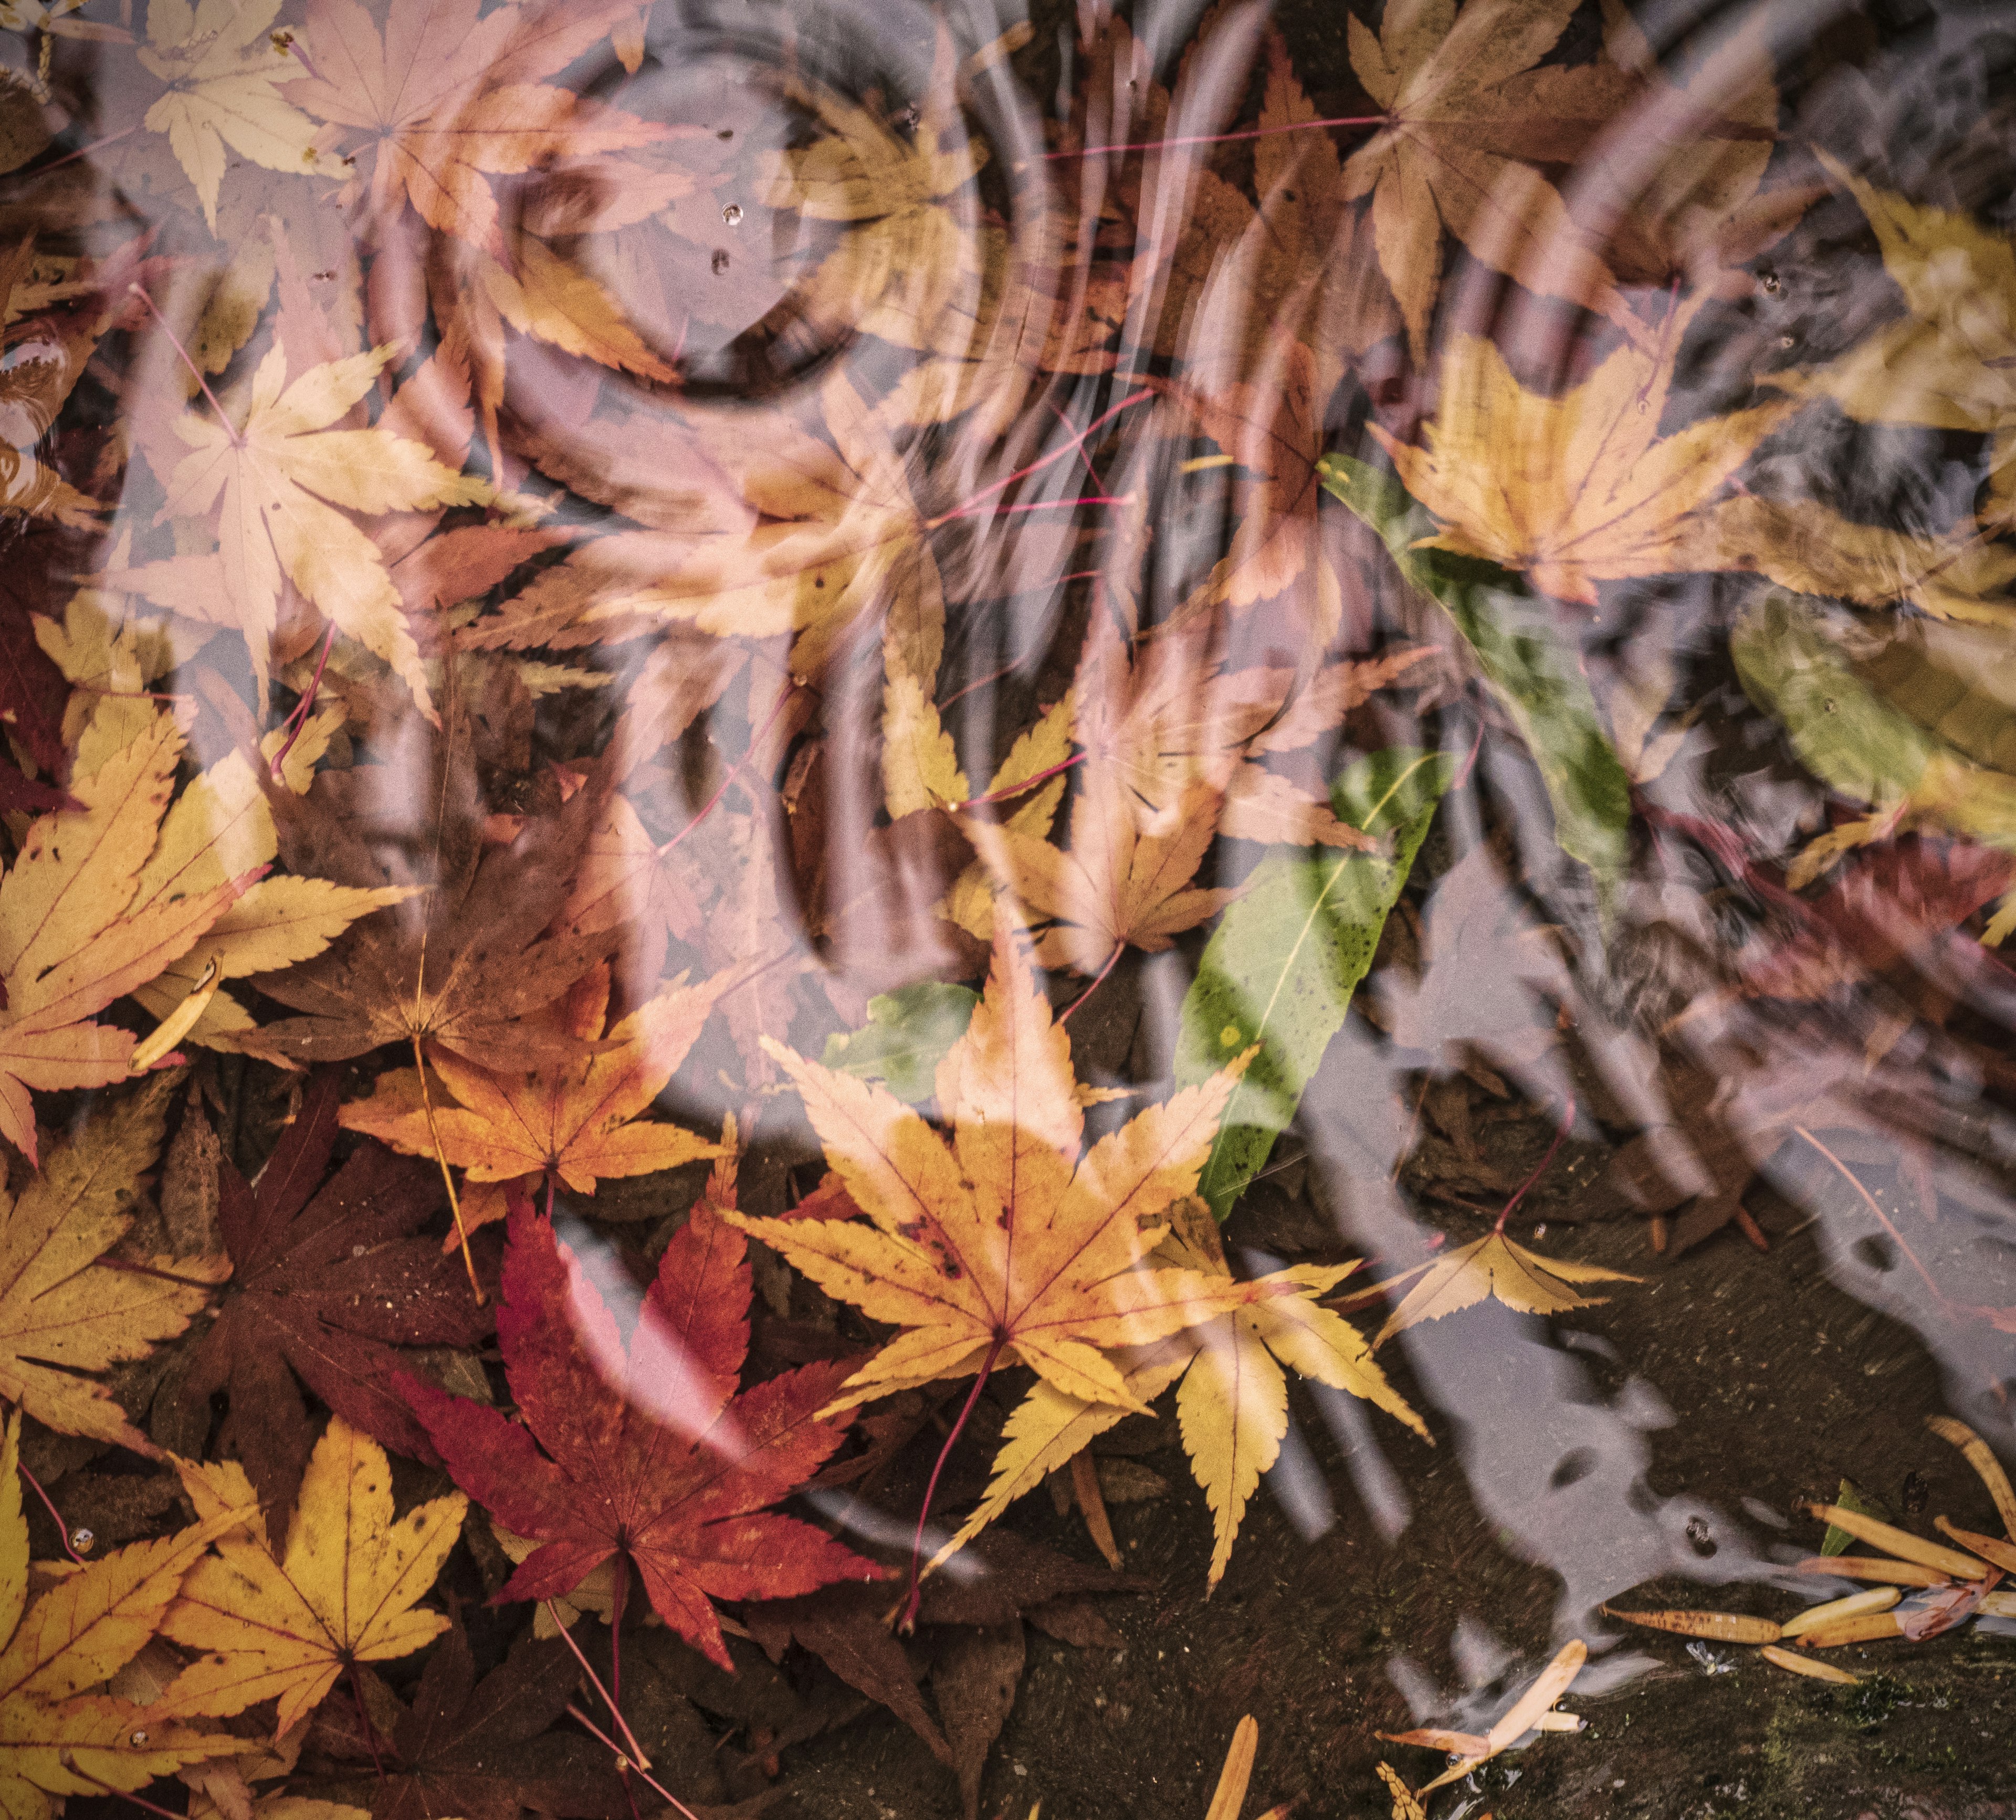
(1494, 1268)
(344, 1589)
(1232, 1401)
(56, 1739)
(1951, 362)
(1583, 487)
(220, 62)
(1468, 118)
(914, 249)
(76, 930)
(1119, 884)
(277, 484)
(1013, 1241)
(575, 1118)
(65, 1311)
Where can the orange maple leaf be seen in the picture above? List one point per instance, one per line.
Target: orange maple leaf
(1014, 1240)
(452, 98)
(573, 1118)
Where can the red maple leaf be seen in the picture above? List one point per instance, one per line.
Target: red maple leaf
(649, 1454)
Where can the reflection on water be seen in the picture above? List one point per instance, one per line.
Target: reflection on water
(1454, 558)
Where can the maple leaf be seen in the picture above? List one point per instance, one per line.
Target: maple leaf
(1583, 487)
(576, 1120)
(220, 64)
(1467, 118)
(276, 483)
(650, 1456)
(56, 1740)
(1232, 1400)
(76, 930)
(329, 1279)
(450, 98)
(776, 534)
(1013, 1241)
(342, 1590)
(1118, 885)
(220, 829)
(1174, 718)
(1271, 425)
(461, 969)
(64, 1310)
(1493, 1267)
(1950, 363)
(914, 249)
(482, 1750)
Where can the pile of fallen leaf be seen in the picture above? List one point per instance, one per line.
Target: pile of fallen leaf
(573, 791)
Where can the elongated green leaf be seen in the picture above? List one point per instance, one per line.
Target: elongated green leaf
(906, 1037)
(1845, 734)
(1533, 671)
(1282, 963)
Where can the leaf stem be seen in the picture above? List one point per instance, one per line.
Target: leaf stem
(1034, 505)
(447, 1177)
(48, 1504)
(575, 1713)
(755, 739)
(230, 429)
(83, 151)
(1028, 783)
(637, 1756)
(1042, 462)
(1883, 1219)
(364, 1719)
(299, 718)
(1119, 948)
(1299, 126)
(908, 1621)
(1567, 1120)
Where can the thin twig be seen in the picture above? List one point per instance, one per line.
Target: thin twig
(1299, 126)
(575, 1713)
(296, 721)
(755, 739)
(615, 1712)
(1883, 1219)
(1042, 462)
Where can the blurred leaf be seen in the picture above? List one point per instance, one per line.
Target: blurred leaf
(906, 1037)
(1280, 968)
(1518, 646)
(1837, 1540)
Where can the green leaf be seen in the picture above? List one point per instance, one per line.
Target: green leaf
(1516, 640)
(1837, 1540)
(1286, 957)
(1845, 734)
(906, 1037)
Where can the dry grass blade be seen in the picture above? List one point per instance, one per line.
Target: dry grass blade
(1874, 1567)
(1723, 1627)
(1238, 1771)
(1434, 1738)
(1806, 1665)
(1901, 1542)
(2001, 1555)
(1981, 1457)
(1091, 1502)
(1855, 1605)
(1866, 1629)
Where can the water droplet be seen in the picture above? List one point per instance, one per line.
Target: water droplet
(137, 1737)
(1540, 1231)
(356, 1251)
(81, 1539)
(1698, 1536)
(720, 263)
(1643, 406)
(1788, 341)
(1830, 707)
(732, 213)
(1771, 283)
